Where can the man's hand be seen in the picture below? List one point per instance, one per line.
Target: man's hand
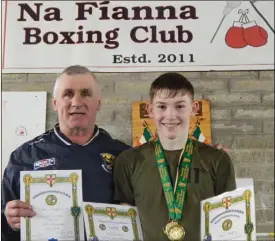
(16, 209)
(220, 147)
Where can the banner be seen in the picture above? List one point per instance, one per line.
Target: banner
(137, 36)
(143, 128)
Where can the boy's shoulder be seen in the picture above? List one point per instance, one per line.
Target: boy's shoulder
(208, 149)
(204, 151)
(210, 154)
(138, 151)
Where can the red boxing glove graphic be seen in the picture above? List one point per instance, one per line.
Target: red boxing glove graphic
(254, 35)
(234, 37)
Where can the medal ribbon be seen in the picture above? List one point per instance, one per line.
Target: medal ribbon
(174, 198)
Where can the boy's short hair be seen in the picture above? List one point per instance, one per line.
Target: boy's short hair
(175, 83)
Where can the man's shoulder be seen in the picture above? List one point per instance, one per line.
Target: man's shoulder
(112, 143)
(22, 158)
(36, 142)
(42, 138)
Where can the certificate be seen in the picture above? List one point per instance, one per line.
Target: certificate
(111, 222)
(56, 197)
(229, 216)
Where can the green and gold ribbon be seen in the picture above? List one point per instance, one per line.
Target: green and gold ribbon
(174, 197)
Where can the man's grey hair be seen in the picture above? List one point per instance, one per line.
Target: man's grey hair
(72, 70)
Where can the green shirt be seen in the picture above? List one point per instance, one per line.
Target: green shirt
(137, 182)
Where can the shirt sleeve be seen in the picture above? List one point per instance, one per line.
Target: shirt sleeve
(122, 179)
(225, 180)
(10, 191)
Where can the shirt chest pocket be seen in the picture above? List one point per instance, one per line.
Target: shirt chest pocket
(201, 184)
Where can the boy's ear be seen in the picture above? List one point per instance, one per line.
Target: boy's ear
(195, 107)
(149, 109)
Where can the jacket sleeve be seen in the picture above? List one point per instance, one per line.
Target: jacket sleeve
(225, 180)
(122, 180)
(10, 191)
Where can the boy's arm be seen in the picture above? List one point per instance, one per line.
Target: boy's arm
(122, 179)
(225, 180)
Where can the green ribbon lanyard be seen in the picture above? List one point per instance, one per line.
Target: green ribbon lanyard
(174, 198)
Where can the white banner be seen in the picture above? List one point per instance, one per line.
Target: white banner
(137, 36)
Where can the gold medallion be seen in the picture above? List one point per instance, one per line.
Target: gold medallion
(168, 226)
(174, 231)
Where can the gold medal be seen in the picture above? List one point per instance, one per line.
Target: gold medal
(174, 231)
(168, 226)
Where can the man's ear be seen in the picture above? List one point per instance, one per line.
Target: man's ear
(99, 104)
(54, 104)
(195, 107)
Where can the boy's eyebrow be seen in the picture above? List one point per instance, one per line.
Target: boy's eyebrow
(178, 102)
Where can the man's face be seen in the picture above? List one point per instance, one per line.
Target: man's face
(77, 101)
(172, 115)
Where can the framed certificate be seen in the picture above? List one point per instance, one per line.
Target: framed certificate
(56, 197)
(111, 222)
(229, 216)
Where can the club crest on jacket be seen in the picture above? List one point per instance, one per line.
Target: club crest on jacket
(108, 161)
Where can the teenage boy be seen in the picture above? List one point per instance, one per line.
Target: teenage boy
(166, 178)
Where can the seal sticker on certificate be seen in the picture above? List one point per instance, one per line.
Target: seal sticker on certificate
(111, 222)
(229, 216)
(56, 197)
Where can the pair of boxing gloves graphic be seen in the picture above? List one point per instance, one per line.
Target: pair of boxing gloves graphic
(242, 34)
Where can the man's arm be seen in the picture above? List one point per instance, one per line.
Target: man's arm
(225, 180)
(10, 191)
(122, 179)
(12, 207)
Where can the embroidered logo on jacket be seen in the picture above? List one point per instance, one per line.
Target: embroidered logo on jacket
(108, 161)
(44, 163)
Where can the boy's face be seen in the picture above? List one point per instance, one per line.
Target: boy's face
(172, 115)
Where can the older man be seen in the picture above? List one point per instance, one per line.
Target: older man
(74, 143)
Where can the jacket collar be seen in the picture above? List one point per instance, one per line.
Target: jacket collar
(68, 142)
